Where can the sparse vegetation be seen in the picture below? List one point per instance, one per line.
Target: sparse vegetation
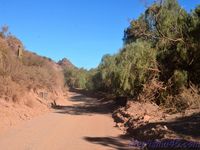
(24, 73)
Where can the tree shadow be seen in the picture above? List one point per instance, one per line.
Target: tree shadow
(86, 106)
(183, 127)
(92, 94)
(118, 143)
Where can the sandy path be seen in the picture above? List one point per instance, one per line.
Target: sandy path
(83, 124)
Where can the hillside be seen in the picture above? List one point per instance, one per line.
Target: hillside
(29, 83)
(65, 63)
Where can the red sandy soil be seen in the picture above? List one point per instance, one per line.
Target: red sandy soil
(82, 124)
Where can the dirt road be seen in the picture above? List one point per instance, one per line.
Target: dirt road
(83, 124)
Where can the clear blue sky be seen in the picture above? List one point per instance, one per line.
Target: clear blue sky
(80, 30)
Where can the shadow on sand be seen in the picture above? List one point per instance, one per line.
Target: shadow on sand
(117, 143)
(86, 106)
(184, 127)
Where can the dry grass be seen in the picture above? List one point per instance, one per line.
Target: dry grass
(187, 99)
(155, 91)
(20, 76)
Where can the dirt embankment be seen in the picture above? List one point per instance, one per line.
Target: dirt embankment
(31, 104)
(147, 121)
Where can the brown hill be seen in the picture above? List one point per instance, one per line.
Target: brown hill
(65, 63)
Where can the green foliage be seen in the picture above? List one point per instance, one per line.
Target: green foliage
(161, 49)
(174, 34)
(126, 72)
(179, 80)
(159, 59)
(103, 79)
(133, 67)
(75, 78)
(90, 83)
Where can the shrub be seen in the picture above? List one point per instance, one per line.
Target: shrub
(33, 72)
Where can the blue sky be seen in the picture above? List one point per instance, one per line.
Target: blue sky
(80, 30)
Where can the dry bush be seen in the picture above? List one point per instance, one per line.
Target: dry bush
(162, 94)
(188, 98)
(13, 43)
(11, 91)
(19, 76)
(32, 59)
(151, 91)
(41, 73)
